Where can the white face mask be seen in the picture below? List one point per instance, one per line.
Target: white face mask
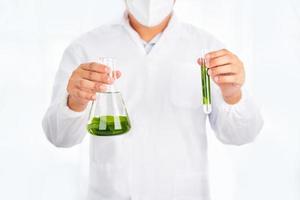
(150, 12)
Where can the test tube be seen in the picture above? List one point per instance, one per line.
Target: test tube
(206, 94)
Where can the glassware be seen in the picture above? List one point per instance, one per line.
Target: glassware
(205, 79)
(108, 115)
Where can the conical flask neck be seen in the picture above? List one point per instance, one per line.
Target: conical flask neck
(111, 63)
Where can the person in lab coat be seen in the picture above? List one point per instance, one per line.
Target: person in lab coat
(164, 155)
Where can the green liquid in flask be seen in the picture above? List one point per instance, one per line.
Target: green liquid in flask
(109, 125)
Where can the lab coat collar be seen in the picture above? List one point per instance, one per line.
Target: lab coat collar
(148, 46)
(166, 34)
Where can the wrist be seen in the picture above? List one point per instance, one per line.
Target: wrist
(74, 105)
(233, 99)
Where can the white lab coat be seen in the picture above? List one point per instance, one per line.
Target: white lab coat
(164, 156)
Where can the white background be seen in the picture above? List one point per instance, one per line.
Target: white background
(264, 33)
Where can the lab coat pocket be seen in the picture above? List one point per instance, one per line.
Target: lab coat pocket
(191, 185)
(185, 85)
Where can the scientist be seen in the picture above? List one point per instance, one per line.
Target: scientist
(164, 156)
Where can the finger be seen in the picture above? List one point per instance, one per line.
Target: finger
(215, 54)
(115, 74)
(200, 61)
(97, 77)
(95, 67)
(226, 79)
(118, 74)
(221, 70)
(102, 88)
(83, 95)
(90, 86)
(219, 61)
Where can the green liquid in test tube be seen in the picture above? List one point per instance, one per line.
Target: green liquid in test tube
(205, 79)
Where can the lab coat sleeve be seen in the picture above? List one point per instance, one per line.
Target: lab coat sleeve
(235, 124)
(64, 127)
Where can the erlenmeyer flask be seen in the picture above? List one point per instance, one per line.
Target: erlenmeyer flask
(108, 115)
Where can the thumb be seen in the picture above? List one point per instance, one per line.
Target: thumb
(200, 61)
(117, 74)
